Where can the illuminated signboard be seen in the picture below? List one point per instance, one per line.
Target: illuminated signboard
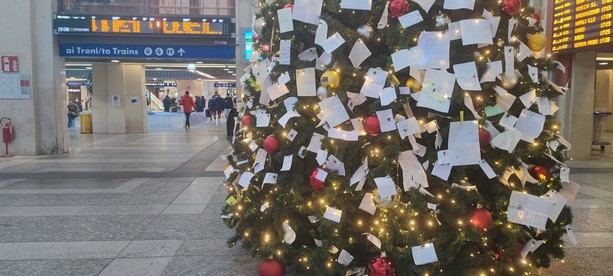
(134, 25)
(248, 44)
(581, 25)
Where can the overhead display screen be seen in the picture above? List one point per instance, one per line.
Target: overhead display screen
(581, 25)
(133, 25)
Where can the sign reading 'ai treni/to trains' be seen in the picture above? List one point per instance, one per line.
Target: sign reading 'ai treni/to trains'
(146, 51)
(581, 25)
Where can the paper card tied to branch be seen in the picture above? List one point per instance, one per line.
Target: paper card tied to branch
(424, 254)
(528, 210)
(333, 214)
(385, 186)
(375, 80)
(368, 204)
(307, 11)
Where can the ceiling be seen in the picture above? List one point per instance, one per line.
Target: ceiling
(161, 71)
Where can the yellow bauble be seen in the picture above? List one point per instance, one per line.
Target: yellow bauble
(537, 42)
(394, 81)
(330, 79)
(413, 85)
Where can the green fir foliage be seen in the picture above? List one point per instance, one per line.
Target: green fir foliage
(404, 220)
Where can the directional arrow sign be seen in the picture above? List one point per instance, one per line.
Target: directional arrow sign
(181, 51)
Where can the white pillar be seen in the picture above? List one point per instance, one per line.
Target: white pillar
(40, 121)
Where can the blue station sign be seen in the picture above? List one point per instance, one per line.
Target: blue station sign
(146, 51)
(225, 84)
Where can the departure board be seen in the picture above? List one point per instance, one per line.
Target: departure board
(581, 25)
(133, 25)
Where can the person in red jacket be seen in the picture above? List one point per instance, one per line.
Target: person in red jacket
(188, 107)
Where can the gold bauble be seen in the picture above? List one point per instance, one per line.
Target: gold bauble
(537, 42)
(413, 85)
(330, 79)
(259, 86)
(509, 81)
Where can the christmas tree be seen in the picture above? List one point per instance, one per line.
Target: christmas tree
(399, 138)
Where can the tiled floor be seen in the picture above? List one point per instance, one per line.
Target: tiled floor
(150, 205)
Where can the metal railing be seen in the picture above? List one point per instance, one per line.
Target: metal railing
(147, 7)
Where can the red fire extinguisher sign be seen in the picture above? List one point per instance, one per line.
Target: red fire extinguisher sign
(10, 64)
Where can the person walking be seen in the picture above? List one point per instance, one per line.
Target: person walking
(198, 103)
(166, 102)
(218, 106)
(227, 105)
(73, 112)
(188, 106)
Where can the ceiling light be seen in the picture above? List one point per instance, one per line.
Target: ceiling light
(233, 74)
(191, 66)
(226, 69)
(88, 67)
(199, 62)
(199, 79)
(114, 60)
(158, 68)
(603, 63)
(230, 72)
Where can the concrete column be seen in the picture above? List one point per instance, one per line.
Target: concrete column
(134, 88)
(40, 120)
(244, 13)
(123, 81)
(577, 106)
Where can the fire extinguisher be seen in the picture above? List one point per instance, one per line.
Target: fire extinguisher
(8, 133)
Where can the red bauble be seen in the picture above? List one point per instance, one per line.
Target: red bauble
(482, 219)
(537, 18)
(246, 120)
(372, 125)
(289, 5)
(498, 255)
(271, 144)
(271, 267)
(398, 8)
(540, 172)
(381, 266)
(316, 184)
(512, 7)
(484, 138)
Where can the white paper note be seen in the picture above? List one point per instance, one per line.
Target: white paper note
(307, 11)
(321, 34)
(442, 170)
(334, 111)
(287, 163)
(494, 21)
(315, 143)
(437, 90)
(359, 53)
(333, 42)
(571, 234)
(435, 47)
(387, 95)
(386, 120)
(285, 51)
(413, 173)
(464, 143)
(408, 57)
(228, 171)
(335, 165)
(494, 69)
(508, 121)
(360, 173)
(333, 214)
(305, 82)
(530, 124)
(424, 254)
(373, 239)
(270, 178)
(408, 127)
(467, 76)
(506, 101)
(475, 31)
(410, 19)
(558, 202)
(262, 119)
(245, 179)
(277, 90)
(431, 126)
(260, 160)
(308, 54)
(511, 26)
(368, 204)
(383, 20)
(356, 4)
(487, 169)
(375, 80)
(352, 135)
(459, 4)
(468, 102)
(425, 4)
(385, 186)
(544, 106)
(507, 140)
(344, 258)
(286, 23)
(529, 98)
(528, 210)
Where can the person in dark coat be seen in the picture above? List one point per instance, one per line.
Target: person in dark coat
(227, 106)
(166, 102)
(230, 121)
(217, 106)
(210, 111)
(198, 103)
